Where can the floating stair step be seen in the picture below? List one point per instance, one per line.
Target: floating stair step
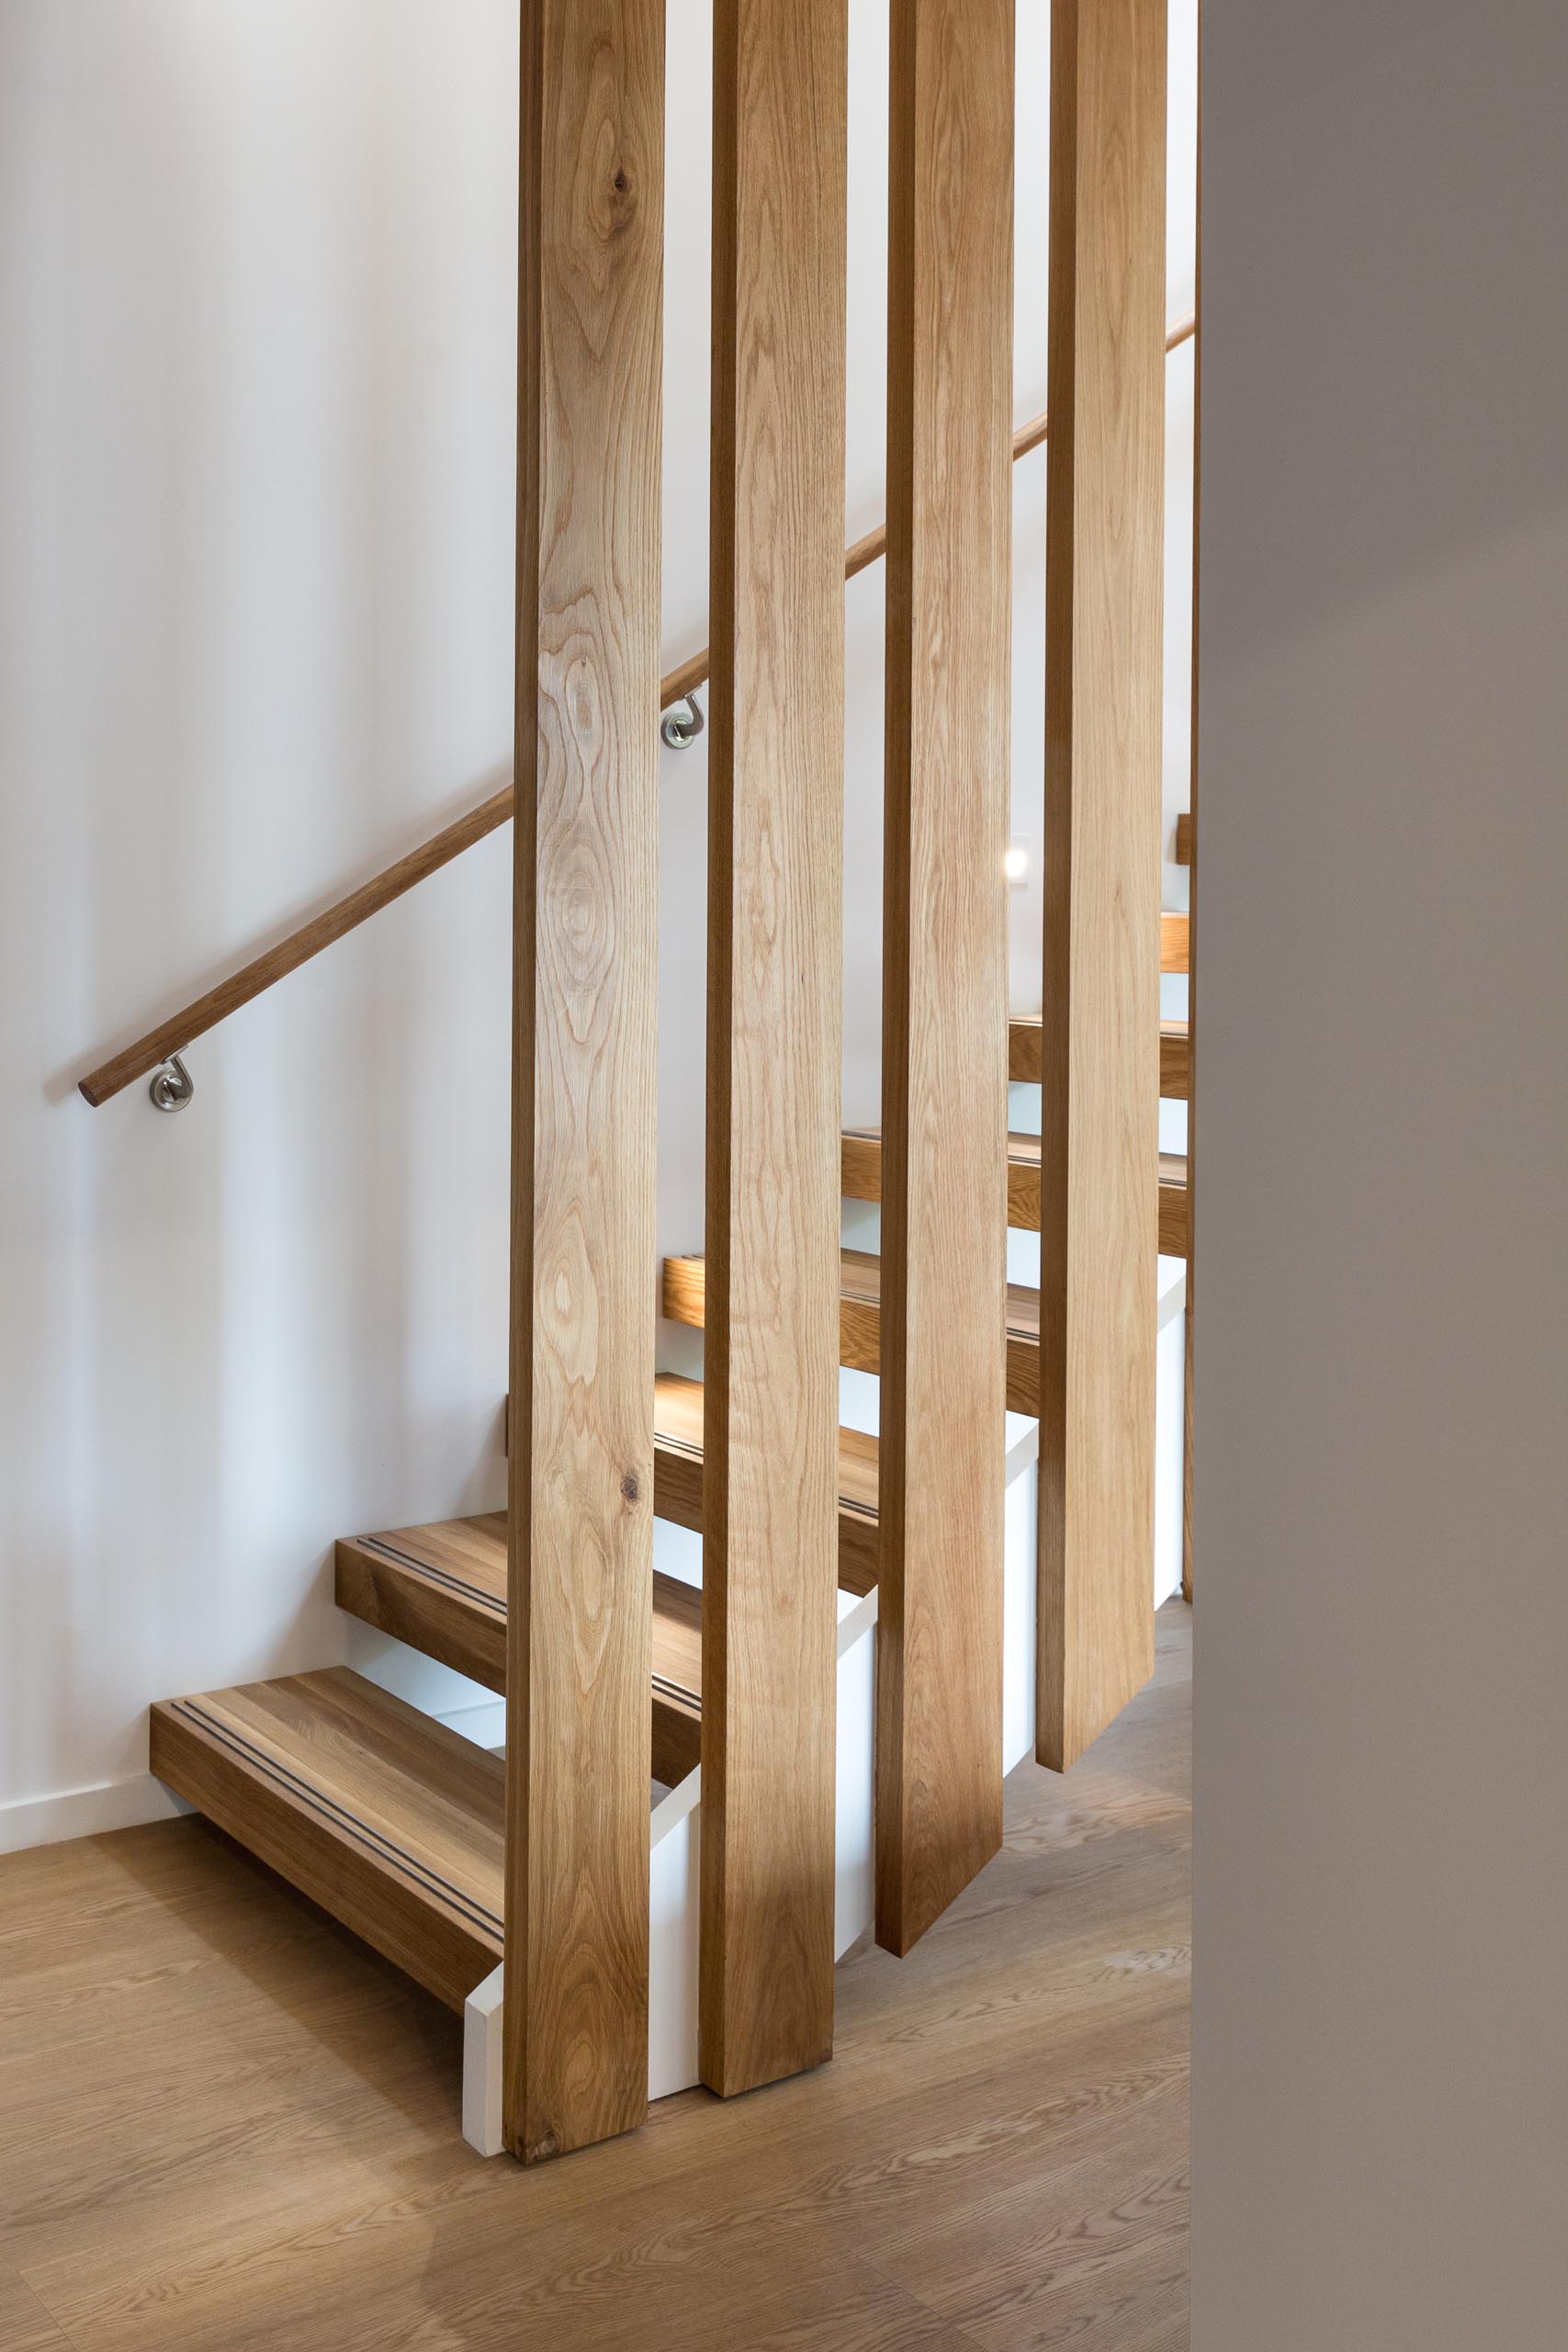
(390, 1821)
(860, 1160)
(1175, 1060)
(1184, 839)
(678, 1478)
(1173, 1227)
(860, 1319)
(442, 1589)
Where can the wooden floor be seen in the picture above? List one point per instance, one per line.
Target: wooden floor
(223, 2123)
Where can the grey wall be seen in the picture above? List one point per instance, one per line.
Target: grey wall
(1382, 2034)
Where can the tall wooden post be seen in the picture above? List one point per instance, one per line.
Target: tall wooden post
(939, 1780)
(578, 1689)
(1101, 1025)
(775, 793)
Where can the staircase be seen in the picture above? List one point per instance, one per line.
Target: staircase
(395, 1824)
(885, 1624)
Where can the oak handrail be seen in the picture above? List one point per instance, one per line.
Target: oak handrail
(172, 1036)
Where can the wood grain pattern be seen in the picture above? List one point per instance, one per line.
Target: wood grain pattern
(677, 1474)
(1184, 840)
(861, 1163)
(1030, 436)
(680, 1484)
(1175, 1061)
(228, 2124)
(1099, 1074)
(25, 2326)
(684, 1297)
(775, 804)
(1174, 1224)
(862, 553)
(1024, 1054)
(1173, 943)
(861, 1175)
(442, 1589)
(948, 791)
(388, 1820)
(585, 1143)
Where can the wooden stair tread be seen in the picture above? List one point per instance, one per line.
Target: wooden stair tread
(860, 1320)
(442, 1589)
(678, 1478)
(862, 1281)
(391, 1822)
(1024, 1054)
(861, 1178)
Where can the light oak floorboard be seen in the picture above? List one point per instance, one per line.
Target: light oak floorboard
(26, 2326)
(224, 2122)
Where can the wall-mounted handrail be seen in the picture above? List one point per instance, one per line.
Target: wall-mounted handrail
(171, 1036)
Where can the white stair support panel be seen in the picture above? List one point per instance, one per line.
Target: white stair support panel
(481, 2065)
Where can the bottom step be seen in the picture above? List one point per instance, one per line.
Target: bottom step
(387, 1819)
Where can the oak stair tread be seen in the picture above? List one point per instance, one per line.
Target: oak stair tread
(388, 1820)
(1025, 1054)
(442, 1589)
(861, 1179)
(678, 1478)
(860, 1319)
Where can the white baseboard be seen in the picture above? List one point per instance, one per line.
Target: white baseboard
(86, 1812)
(139, 1798)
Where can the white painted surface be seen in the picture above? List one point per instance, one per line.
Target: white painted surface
(674, 1896)
(86, 1812)
(1171, 1378)
(481, 2064)
(257, 382)
(1021, 1594)
(855, 1799)
(257, 265)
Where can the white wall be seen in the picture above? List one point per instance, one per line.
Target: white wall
(1381, 2059)
(257, 264)
(256, 384)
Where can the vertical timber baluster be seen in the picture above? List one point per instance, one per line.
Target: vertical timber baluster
(939, 1781)
(1101, 1025)
(775, 785)
(579, 1649)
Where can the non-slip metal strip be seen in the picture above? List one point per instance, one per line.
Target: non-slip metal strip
(663, 1683)
(437, 1575)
